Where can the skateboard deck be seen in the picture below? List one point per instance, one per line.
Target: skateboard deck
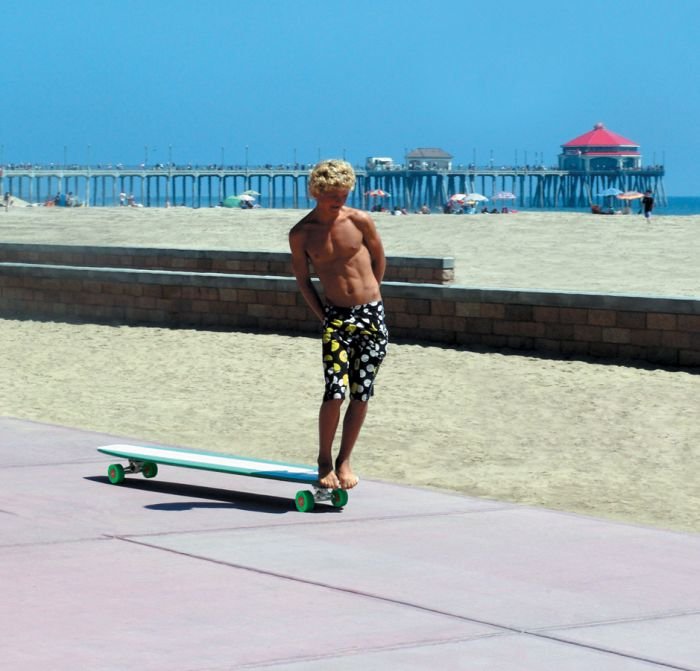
(144, 460)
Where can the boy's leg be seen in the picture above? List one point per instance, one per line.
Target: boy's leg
(366, 358)
(352, 424)
(328, 418)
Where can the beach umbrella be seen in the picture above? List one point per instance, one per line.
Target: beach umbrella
(250, 192)
(504, 195)
(377, 193)
(232, 201)
(630, 195)
(609, 193)
(245, 196)
(477, 198)
(458, 197)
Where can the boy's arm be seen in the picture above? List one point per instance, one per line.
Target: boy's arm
(374, 244)
(300, 267)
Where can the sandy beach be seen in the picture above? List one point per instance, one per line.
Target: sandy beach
(561, 251)
(620, 442)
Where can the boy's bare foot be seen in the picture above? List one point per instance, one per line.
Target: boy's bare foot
(327, 479)
(346, 477)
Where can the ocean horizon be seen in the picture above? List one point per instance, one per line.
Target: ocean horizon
(679, 205)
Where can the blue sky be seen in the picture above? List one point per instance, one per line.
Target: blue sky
(104, 79)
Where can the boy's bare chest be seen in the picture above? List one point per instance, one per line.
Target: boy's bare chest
(342, 240)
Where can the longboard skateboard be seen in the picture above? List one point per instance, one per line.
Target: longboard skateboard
(145, 460)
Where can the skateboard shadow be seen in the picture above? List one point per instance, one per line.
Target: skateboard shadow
(215, 498)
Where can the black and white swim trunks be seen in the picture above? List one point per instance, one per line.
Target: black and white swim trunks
(354, 340)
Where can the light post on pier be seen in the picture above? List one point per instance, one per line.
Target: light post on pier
(221, 178)
(63, 175)
(247, 177)
(87, 185)
(170, 173)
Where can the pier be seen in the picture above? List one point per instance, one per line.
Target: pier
(284, 186)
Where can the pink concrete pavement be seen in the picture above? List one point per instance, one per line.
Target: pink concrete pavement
(198, 570)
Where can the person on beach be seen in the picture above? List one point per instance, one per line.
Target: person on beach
(347, 254)
(647, 204)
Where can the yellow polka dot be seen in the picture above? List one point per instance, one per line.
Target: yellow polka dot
(346, 379)
(343, 356)
(334, 346)
(336, 367)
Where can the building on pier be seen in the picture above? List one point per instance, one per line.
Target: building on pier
(601, 159)
(429, 158)
(600, 150)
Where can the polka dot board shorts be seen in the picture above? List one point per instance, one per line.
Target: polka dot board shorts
(354, 345)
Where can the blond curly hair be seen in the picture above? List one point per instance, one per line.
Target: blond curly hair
(329, 175)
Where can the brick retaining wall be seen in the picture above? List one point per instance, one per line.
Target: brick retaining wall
(420, 269)
(659, 330)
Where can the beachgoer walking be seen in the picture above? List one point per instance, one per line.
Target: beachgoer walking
(347, 254)
(647, 204)
(7, 200)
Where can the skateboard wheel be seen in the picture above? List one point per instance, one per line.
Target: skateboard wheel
(305, 501)
(339, 498)
(149, 469)
(115, 473)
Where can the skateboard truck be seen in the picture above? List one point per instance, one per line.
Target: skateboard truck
(305, 500)
(116, 472)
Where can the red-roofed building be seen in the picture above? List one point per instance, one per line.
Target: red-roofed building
(600, 150)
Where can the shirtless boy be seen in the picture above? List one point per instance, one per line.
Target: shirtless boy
(347, 254)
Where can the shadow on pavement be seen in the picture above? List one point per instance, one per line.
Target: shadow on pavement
(216, 498)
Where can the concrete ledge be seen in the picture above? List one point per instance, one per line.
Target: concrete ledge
(437, 270)
(546, 298)
(663, 330)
